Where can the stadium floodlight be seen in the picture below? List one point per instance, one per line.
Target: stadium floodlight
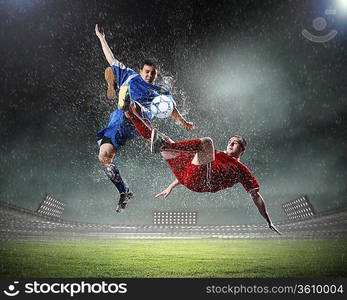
(51, 207)
(298, 209)
(175, 218)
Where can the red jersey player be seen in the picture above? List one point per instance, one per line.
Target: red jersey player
(201, 168)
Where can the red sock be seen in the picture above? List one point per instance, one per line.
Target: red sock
(185, 146)
(140, 124)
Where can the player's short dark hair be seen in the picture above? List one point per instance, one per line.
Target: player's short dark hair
(242, 140)
(149, 62)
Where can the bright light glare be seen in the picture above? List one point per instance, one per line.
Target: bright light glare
(342, 4)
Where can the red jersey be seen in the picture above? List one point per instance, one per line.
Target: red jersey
(222, 173)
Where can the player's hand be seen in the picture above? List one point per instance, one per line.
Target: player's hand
(189, 126)
(164, 193)
(99, 31)
(273, 227)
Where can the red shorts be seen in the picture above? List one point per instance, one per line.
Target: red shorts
(194, 177)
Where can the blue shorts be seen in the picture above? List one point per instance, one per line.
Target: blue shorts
(119, 129)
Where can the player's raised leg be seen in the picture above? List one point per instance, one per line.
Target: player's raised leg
(203, 149)
(142, 127)
(156, 138)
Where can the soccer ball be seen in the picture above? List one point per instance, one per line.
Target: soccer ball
(162, 106)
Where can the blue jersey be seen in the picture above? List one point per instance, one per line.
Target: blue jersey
(140, 91)
(119, 129)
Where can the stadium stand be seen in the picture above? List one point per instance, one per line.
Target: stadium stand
(17, 222)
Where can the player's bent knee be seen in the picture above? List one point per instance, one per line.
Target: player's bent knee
(207, 142)
(104, 160)
(106, 154)
(206, 155)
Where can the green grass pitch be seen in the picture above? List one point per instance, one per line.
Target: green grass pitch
(205, 258)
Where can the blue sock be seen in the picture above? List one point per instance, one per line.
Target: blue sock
(112, 172)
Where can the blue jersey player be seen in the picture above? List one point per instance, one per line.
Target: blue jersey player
(139, 88)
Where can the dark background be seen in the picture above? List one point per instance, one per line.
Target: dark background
(235, 67)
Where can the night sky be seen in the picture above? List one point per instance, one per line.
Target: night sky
(234, 67)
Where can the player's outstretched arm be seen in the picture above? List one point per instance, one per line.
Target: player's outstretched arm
(259, 202)
(168, 190)
(176, 115)
(105, 48)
